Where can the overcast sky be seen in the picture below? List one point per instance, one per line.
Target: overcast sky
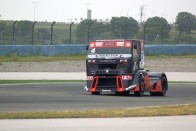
(64, 10)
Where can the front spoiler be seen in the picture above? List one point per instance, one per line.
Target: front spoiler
(126, 89)
(130, 87)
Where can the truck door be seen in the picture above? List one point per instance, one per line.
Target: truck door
(136, 55)
(136, 51)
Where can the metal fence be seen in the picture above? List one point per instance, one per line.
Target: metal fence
(157, 35)
(38, 33)
(50, 33)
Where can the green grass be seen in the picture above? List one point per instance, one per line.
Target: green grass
(169, 56)
(182, 82)
(174, 110)
(16, 58)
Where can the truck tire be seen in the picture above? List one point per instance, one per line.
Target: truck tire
(141, 87)
(164, 85)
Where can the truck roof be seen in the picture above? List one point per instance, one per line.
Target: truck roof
(111, 40)
(116, 40)
(112, 43)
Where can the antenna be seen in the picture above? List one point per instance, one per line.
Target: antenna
(87, 5)
(141, 13)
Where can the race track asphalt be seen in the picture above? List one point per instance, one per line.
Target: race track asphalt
(71, 96)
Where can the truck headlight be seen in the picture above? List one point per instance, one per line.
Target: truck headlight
(91, 61)
(123, 61)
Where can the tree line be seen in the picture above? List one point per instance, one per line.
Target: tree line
(153, 30)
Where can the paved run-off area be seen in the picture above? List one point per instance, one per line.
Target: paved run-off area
(172, 76)
(157, 64)
(177, 68)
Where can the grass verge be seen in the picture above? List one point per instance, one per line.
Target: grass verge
(174, 110)
(182, 82)
(169, 56)
(16, 58)
(37, 81)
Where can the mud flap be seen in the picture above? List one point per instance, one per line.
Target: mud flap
(120, 86)
(94, 84)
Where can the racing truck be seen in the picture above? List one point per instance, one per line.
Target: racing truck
(118, 66)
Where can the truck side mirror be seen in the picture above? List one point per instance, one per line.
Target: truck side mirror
(135, 46)
(87, 47)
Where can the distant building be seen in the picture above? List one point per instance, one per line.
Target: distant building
(88, 14)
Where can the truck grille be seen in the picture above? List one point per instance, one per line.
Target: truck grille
(108, 83)
(107, 61)
(104, 66)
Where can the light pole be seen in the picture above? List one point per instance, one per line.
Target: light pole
(88, 31)
(34, 8)
(33, 27)
(52, 29)
(144, 37)
(70, 32)
(162, 27)
(13, 31)
(127, 13)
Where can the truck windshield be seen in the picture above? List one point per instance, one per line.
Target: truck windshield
(109, 50)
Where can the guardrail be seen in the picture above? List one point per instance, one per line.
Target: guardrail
(180, 49)
(47, 50)
(50, 50)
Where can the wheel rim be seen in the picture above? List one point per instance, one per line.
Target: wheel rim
(142, 85)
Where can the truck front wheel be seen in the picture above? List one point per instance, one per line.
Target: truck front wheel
(141, 86)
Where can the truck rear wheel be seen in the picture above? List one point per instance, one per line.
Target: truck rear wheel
(141, 86)
(164, 85)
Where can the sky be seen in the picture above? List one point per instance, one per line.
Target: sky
(70, 10)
